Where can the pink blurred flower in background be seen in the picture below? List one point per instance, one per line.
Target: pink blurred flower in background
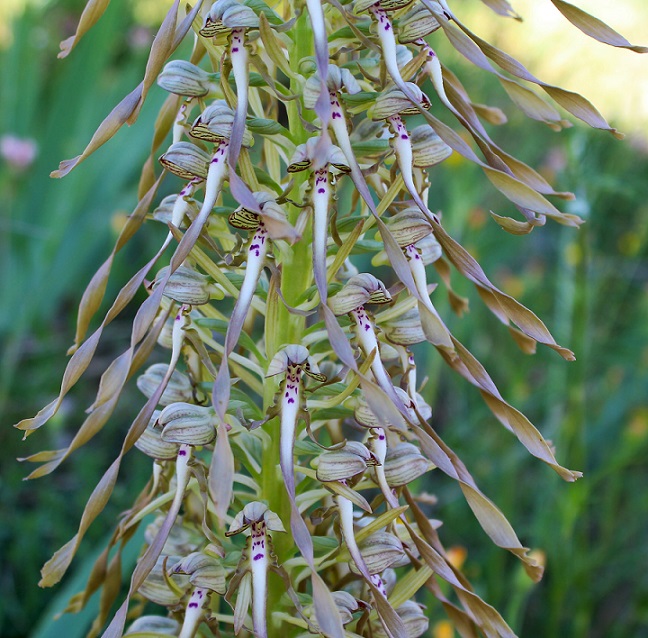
(18, 152)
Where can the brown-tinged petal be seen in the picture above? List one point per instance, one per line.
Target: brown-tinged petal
(594, 27)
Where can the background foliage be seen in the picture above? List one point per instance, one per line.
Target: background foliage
(590, 285)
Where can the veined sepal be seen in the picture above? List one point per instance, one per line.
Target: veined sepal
(184, 78)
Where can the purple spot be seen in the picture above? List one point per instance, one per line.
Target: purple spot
(291, 400)
(322, 191)
(234, 49)
(287, 394)
(193, 605)
(182, 453)
(215, 160)
(258, 556)
(404, 137)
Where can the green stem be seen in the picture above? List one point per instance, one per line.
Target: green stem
(284, 328)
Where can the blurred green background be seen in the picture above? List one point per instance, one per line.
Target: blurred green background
(589, 285)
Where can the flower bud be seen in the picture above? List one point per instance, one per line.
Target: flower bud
(392, 101)
(358, 291)
(409, 226)
(203, 570)
(380, 551)
(186, 160)
(345, 463)
(178, 389)
(405, 463)
(405, 330)
(151, 443)
(417, 23)
(154, 625)
(414, 618)
(215, 123)
(156, 588)
(346, 605)
(184, 78)
(185, 285)
(187, 423)
(428, 149)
